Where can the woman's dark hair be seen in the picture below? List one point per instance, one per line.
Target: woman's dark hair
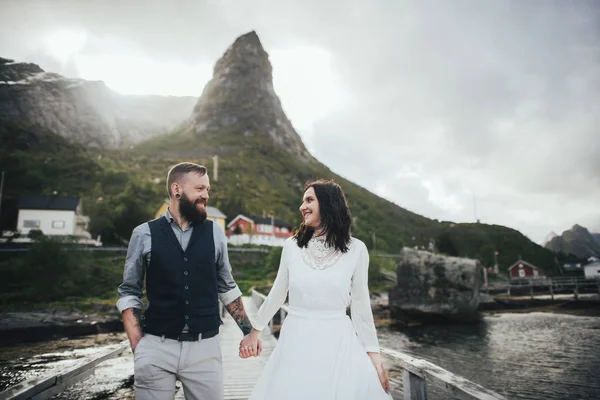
(335, 216)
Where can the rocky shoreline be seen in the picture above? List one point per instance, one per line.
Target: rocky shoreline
(16, 327)
(20, 327)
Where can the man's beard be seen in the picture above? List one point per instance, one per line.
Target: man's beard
(190, 212)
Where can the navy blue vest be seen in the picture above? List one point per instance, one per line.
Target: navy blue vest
(181, 285)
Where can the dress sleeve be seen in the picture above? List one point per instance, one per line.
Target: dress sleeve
(360, 306)
(278, 292)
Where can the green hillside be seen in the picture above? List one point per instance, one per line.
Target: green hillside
(123, 188)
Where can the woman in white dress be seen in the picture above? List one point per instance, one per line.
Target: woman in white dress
(321, 353)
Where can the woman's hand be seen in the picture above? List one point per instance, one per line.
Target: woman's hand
(381, 372)
(250, 346)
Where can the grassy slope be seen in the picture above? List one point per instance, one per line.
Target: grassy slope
(254, 178)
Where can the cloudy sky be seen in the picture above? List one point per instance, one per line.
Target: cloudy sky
(454, 110)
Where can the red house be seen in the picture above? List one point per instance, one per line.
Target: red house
(523, 269)
(261, 231)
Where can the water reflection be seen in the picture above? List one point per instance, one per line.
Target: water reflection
(523, 356)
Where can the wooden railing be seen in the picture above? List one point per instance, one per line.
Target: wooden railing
(553, 285)
(45, 387)
(417, 373)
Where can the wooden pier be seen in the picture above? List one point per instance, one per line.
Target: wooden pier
(240, 375)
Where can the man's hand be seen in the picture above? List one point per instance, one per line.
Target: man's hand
(250, 345)
(381, 372)
(132, 321)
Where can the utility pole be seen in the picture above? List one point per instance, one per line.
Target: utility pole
(475, 208)
(496, 269)
(215, 168)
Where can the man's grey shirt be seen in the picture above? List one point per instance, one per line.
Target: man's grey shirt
(138, 259)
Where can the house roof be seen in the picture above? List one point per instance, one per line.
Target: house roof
(595, 264)
(214, 212)
(64, 203)
(257, 220)
(524, 263)
(267, 221)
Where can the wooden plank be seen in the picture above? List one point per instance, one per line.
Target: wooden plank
(60, 387)
(457, 386)
(415, 387)
(28, 388)
(63, 378)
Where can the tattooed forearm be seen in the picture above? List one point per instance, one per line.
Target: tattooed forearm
(137, 314)
(237, 311)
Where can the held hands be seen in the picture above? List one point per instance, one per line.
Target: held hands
(381, 372)
(250, 346)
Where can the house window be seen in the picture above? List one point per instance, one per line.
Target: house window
(521, 273)
(535, 272)
(58, 224)
(31, 223)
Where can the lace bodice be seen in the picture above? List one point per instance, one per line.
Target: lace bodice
(322, 281)
(320, 256)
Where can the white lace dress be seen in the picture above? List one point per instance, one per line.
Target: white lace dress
(321, 353)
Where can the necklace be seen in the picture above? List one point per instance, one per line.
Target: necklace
(318, 255)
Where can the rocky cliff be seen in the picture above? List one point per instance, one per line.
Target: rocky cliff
(240, 98)
(83, 111)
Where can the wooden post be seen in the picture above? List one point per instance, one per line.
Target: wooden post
(531, 289)
(485, 278)
(576, 289)
(551, 290)
(415, 387)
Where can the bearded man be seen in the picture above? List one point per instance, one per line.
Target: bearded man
(182, 257)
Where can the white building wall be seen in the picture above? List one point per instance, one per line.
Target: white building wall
(51, 222)
(266, 240)
(592, 271)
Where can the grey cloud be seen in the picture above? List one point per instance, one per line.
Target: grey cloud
(499, 98)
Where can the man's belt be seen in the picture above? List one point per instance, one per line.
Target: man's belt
(193, 337)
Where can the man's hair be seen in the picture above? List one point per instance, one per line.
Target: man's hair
(336, 218)
(178, 171)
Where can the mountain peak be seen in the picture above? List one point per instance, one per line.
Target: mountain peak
(577, 240)
(246, 56)
(248, 40)
(548, 238)
(240, 100)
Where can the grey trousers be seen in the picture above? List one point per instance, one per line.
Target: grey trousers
(158, 362)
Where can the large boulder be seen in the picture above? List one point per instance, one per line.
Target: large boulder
(435, 287)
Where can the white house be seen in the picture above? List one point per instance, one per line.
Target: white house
(54, 216)
(592, 271)
(259, 231)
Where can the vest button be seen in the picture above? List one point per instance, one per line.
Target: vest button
(185, 272)
(184, 258)
(186, 287)
(187, 302)
(187, 317)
